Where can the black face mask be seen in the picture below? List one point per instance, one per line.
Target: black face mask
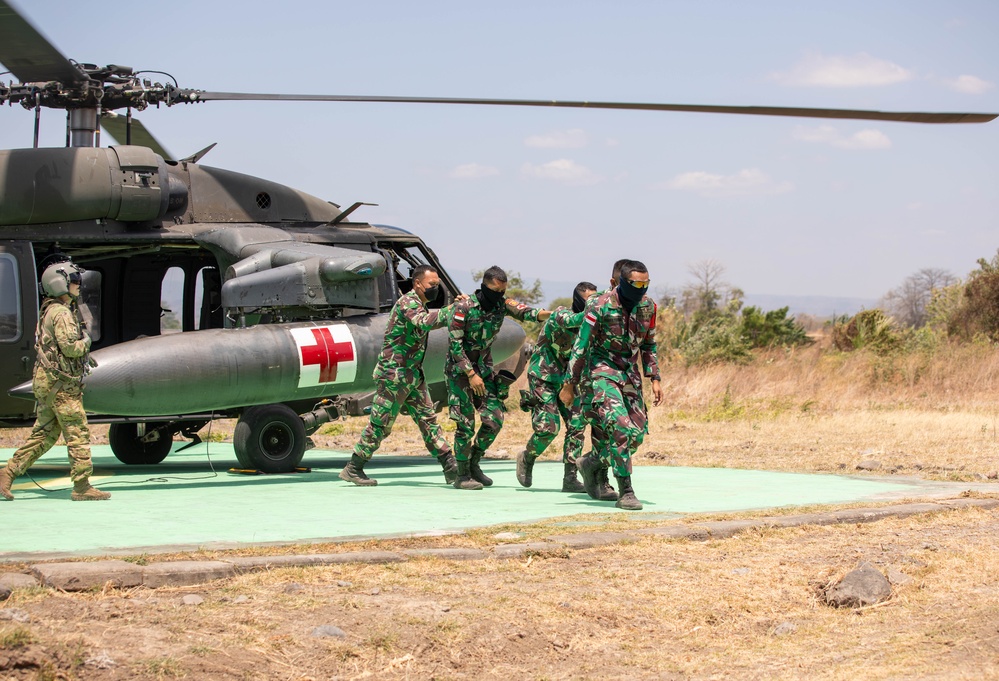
(578, 302)
(430, 293)
(490, 299)
(629, 295)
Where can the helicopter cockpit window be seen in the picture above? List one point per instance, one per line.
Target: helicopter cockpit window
(405, 258)
(10, 297)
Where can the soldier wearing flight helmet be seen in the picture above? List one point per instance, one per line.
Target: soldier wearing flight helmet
(62, 349)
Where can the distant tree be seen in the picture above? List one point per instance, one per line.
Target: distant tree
(975, 307)
(560, 302)
(168, 320)
(708, 294)
(908, 304)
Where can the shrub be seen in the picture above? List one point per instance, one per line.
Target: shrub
(871, 329)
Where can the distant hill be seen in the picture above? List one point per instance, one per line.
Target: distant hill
(818, 306)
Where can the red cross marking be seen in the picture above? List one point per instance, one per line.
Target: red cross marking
(327, 354)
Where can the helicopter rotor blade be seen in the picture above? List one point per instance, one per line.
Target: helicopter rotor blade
(851, 114)
(116, 126)
(27, 53)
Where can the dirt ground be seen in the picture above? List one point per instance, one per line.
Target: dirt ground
(749, 607)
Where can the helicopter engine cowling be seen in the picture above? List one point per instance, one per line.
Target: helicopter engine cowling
(126, 183)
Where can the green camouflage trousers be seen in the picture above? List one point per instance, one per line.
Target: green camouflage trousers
(619, 411)
(546, 408)
(411, 399)
(463, 405)
(58, 412)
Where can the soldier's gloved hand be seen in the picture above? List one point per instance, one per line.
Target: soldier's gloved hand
(91, 362)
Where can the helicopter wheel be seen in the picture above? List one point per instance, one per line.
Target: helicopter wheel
(128, 447)
(269, 438)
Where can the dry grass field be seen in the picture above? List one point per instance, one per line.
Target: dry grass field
(748, 607)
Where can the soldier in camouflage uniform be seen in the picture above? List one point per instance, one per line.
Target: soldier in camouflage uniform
(598, 440)
(62, 350)
(618, 333)
(472, 385)
(399, 375)
(545, 374)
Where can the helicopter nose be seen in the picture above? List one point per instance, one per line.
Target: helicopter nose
(23, 391)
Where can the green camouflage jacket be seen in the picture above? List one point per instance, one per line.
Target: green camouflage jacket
(61, 346)
(550, 358)
(615, 342)
(401, 358)
(473, 330)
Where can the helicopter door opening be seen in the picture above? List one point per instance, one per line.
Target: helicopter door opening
(191, 299)
(18, 317)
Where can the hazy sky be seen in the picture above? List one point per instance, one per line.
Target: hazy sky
(788, 206)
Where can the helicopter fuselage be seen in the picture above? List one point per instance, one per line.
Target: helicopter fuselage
(206, 291)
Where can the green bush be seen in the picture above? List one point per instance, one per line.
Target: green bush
(771, 329)
(870, 329)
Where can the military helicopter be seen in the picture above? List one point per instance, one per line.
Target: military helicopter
(284, 297)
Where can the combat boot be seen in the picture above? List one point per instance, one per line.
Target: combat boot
(589, 469)
(628, 500)
(525, 468)
(82, 491)
(6, 478)
(449, 466)
(354, 472)
(464, 480)
(475, 471)
(570, 483)
(604, 489)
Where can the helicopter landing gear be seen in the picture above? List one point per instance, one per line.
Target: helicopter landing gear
(140, 444)
(270, 438)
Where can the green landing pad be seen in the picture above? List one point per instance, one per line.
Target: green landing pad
(190, 500)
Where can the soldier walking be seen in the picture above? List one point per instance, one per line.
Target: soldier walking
(472, 384)
(598, 439)
(400, 380)
(62, 348)
(618, 332)
(545, 375)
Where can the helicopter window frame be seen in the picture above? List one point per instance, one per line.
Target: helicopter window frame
(414, 254)
(14, 285)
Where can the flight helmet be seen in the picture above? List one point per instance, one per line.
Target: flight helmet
(57, 277)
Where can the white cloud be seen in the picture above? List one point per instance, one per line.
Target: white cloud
(970, 85)
(827, 134)
(563, 170)
(472, 171)
(859, 70)
(561, 139)
(747, 182)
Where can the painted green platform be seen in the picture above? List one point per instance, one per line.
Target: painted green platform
(191, 500)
